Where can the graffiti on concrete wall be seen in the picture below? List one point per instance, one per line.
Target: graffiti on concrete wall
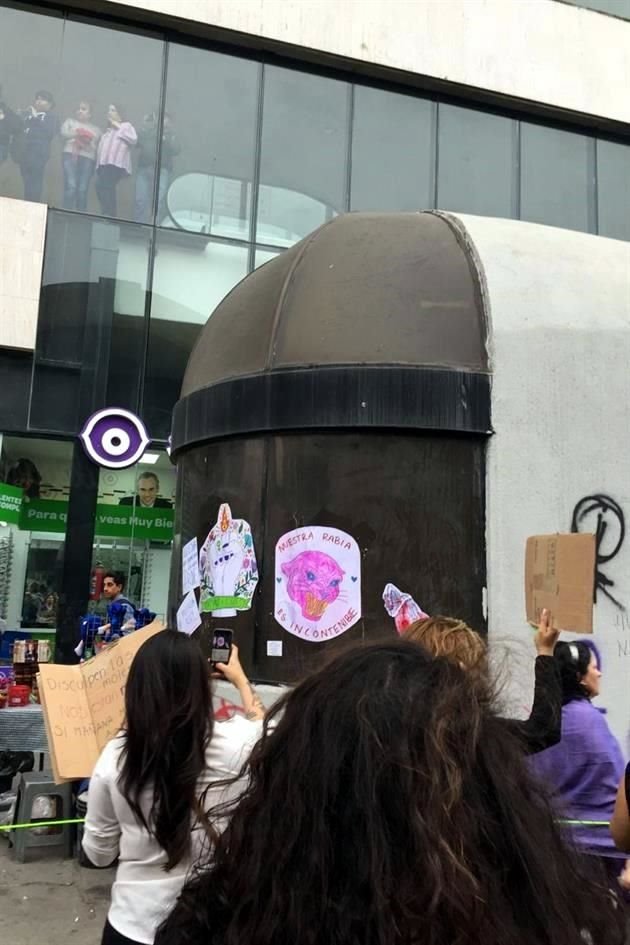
(601, 515)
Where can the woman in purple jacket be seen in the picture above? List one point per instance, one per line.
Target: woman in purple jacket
(584, 769)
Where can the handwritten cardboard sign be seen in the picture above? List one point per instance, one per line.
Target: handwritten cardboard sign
(560, 577)
(84, 706)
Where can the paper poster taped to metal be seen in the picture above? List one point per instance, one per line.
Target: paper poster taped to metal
(318, 582)
(228, 568)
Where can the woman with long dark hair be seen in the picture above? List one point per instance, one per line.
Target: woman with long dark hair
(152, 783)
(583, 771)
(390, 806)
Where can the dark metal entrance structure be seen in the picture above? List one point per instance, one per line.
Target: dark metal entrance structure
(346, 383)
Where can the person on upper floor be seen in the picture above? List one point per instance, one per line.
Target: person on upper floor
(81, 138)
(147, 161)
(39, 127)
(113, 158)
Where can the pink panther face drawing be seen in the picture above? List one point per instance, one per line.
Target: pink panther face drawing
(313, 580)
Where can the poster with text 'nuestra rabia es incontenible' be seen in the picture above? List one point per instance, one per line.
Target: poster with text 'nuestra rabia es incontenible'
(318, 582)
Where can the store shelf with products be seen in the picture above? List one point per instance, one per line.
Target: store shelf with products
(6, 550)
(156, 564)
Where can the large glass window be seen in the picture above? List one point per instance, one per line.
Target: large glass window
(16, 371)
(393, 149)
(209, 142)
(613, 189)
(477, 162)
(192, 274)
(557, 178)
(28, 68)
(34, 490)
(263, 256)
(91, 328)
(304, 152)
(71, 123)
(263, 154)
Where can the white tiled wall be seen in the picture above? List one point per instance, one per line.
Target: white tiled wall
(22, 232)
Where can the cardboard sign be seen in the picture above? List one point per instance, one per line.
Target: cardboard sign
(560, 576)
(84, 706)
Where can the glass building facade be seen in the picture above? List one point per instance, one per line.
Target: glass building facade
(620, 8)
(171, 171)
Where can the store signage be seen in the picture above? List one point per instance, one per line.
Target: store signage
(114, 438)
(120, 522)
(10, 503)
(113, 521)
(44, 515)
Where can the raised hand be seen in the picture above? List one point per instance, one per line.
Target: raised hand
(546, 636)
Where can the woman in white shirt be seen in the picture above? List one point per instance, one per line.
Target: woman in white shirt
(154, 781)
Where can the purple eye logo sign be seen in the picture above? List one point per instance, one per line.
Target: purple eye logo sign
(114, 438)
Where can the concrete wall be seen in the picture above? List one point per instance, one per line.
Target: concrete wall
(22, 233)
(560, 329)
(540, 50)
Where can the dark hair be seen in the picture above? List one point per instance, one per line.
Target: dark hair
(168, 726)
(390, 806)
(150, 475)
(573, 661)
(25, 469)
(47, 96)
(118, 577)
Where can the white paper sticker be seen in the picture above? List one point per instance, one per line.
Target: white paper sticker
(188, 618)
(318, 582)
(274, 647)
(190, 566)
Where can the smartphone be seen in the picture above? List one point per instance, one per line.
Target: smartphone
(221, 645)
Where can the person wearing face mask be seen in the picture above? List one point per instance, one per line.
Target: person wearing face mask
(81, 139)
(113, 159)
(583, 771)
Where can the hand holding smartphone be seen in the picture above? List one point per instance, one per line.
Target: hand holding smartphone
(221, 646)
